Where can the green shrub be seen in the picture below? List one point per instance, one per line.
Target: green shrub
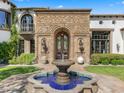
(117, 62)
(13, 61)
(23, 59)
(5, 52)
(105, 62)
(99, 58)
(114, 62)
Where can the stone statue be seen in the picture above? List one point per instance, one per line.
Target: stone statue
(81, 46)
(118, 47)
(44, 46)
(80, 59)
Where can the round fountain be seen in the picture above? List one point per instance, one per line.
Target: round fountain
(62, 81)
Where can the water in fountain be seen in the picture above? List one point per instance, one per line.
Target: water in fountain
(50, 79)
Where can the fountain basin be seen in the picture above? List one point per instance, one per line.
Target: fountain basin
(47, 83)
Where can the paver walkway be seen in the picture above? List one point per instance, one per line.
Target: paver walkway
(108, 84)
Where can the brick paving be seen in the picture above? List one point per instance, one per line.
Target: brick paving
(109, 84)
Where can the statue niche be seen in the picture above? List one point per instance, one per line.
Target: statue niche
(44, 50)
(44, 46)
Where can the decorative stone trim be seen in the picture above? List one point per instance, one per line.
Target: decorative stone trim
(8, 30)
(9, 3)
(101, 29)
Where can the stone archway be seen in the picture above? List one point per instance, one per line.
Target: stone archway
(62, 44)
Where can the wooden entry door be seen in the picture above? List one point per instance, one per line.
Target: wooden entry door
(62, 45)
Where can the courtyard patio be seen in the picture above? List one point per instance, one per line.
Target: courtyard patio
(108, 80)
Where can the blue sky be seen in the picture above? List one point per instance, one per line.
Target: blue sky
(97, 6)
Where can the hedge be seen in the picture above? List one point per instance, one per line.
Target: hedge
(24, 58)
(106, 59)
(105, 62)
(117, 62)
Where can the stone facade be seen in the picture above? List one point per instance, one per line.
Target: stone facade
(74, 22)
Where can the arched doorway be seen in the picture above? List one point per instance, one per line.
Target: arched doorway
(62, 45)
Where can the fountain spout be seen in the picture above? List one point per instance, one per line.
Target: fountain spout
(63, 57)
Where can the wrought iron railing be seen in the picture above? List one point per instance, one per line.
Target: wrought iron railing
(27, 28)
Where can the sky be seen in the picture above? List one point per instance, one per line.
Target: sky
(97, 6)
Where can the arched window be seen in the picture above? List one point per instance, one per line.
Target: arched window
(27, 23)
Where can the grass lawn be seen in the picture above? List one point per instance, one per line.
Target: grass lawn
(107, 70)
(13, 70)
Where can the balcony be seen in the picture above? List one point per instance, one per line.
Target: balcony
(27, 32)
(27, 29)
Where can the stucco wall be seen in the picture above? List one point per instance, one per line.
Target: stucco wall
(4, 35)
(5, 6)
(116, 34)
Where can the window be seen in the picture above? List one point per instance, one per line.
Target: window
(100, 42)
(21, 46)
(5, 20)
(32, 46)
(27, 23)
